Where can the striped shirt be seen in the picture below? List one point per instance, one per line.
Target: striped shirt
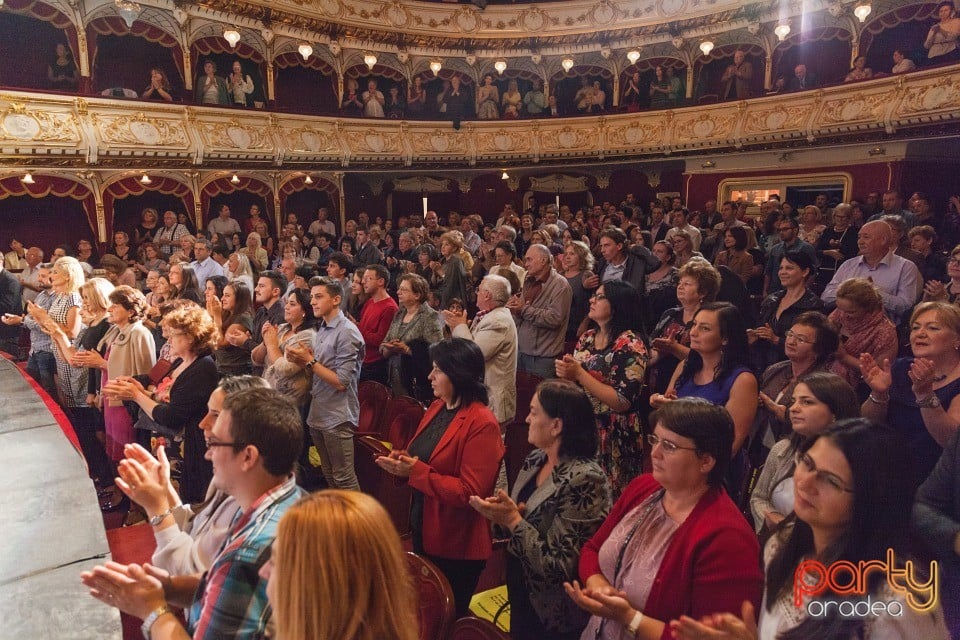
(232, 600)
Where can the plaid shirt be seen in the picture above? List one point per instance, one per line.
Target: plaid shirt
(232, 599)
(39, 341)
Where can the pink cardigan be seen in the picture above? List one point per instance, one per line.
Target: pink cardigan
(711, 565)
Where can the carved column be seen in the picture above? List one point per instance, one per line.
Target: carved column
(343, 197)
(768, 72)
(270, 83)
(85, 84)
(187, 69)
(616, 90)
(689, 81)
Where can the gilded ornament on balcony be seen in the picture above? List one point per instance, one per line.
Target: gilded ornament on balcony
(21, 126)
(635, 135)
(396, 14)
(705, 126)
(775, 119)
(466, 19)
(313, 141)
(533, 19)
(330, 7)
(37, 125)
(603, 13)
(858, 107)
(672, 7)
(233, 134)
(945, 93)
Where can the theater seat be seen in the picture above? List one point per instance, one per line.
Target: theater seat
(471, 628)
(392, 492)
(373, 398)
(403, 417)
(436, 611)
(515, 437)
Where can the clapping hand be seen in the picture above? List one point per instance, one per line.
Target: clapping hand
(719, 626)
(568, 368)
(877, 376)
(453, 318)
(398, 463)
(299, 354)
(144, 479)
(88, 359)
(606, 601)
(922, 374)
(500, 509)
(131, 588)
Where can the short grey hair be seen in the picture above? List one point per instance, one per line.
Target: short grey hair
(203, 241)
(509, 231)
(499, 288)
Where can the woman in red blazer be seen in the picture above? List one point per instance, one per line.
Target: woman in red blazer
(674, 543)
(454, 454)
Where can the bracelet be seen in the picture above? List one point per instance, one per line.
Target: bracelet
(157, 519)
(634, 625)
(930, 402)
(882, 400)
(310, 364)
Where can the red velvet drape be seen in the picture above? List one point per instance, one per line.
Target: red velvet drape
(223, 186)
(131, 186)
(115, 26)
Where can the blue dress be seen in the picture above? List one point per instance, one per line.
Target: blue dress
(903, 415)
(716, 391)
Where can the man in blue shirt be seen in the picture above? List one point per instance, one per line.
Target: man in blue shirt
(205, 266)
(788, 229)
(335, 362)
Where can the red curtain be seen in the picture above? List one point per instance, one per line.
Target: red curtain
(825, 52)
(294, 59)
(55, 220)
(251, 186)
(304, 86)
(304, 199)
(216, 44)
(115, 26)
(378, 71)
(43, 11)
(131, 186)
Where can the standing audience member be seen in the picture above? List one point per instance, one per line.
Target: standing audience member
(414, 328)
(375, 319)
(299, 328)
(334, 359)
(225, 225)
(609, 362)
(565, 497)
(495, 332)
(254, 442)
(541, 311)
(205, 267)
(11, 304)
(41, 363)
(454, 454)
(674, 544)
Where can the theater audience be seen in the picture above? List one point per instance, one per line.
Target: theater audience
(848, 507)
(948, 291)
(454, 454)
(674, 544)
(565, 497)
(255, 442)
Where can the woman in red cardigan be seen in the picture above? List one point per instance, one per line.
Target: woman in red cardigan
(674, 543)
(454, 454)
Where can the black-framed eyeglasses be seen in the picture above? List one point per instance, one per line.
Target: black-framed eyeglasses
(824, 479)
(669, 446)
(236, 446)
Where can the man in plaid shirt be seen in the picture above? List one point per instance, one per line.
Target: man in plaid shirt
(253, 447)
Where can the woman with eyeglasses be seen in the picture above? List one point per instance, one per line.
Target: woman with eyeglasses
(918, 396)
(674, 544)
(565, 497)
(818, 400)
(863, 328)
(848, 507)
(609, 362)
(936, 291)
(810, 344)
(779, 309)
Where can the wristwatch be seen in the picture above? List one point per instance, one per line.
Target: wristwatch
(157, 519)
(311, 363)
(152, 618)
(930, 402)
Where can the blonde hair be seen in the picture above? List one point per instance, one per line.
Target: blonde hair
(948, 314)
(583, 253)
(96, 293)
(340, 572)
(455, 238)
(198, 325)
(74, 272)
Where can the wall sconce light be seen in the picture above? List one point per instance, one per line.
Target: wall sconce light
(435, 66)
(633, 55)
(706, 46)
(235, 179)
(305, 49)
(370, 60)
(567, 64)
(500, 66)
(145, 179)
(232, 36)
(127, 10)
(862, 11)
(308, 179)
(503, 176)
(27, 178)
(782, 30)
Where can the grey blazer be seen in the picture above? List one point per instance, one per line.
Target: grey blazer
(561, 515)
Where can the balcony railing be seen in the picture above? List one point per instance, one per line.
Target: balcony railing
(45, 129)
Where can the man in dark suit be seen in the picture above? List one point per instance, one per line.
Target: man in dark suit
(456, 102)
(10, 303)
(367, 252)
(802, 80)
(553, 109)
(618, 262)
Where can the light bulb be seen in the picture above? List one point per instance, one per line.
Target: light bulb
(145, 179)
(500, 66)
(27, 179)
(862, 11)
(782, 30)
(235, 179)
(504, 176)
(232, 36)
(308, 180)
(567, 64)
(305, 49)
(435, 66)
(633, 55)
(370, 60)
(706, 46)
